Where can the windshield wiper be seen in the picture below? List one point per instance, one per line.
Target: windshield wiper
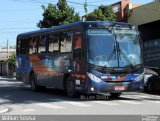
(117, 52)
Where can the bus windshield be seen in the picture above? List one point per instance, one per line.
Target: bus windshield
(115, 48)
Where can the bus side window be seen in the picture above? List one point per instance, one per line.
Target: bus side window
(33, 45)
(54, 42)
(19, 46)
(23, 46)
(66, 42)
(42, 44)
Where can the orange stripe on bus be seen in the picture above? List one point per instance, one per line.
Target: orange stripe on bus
(120, 79)
(34, 58)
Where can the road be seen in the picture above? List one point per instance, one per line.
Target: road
(16, 98)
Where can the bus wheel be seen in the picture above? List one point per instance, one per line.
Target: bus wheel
(33, 80)
(115, 95)
(70, 87)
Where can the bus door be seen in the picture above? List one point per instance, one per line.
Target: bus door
(77, 52)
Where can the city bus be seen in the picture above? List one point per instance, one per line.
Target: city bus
(92, 57)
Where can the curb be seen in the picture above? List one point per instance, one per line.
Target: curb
(3, 109)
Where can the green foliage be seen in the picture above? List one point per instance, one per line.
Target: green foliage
(12, 59)
(14, 74)
(103, 13)
(58, 14)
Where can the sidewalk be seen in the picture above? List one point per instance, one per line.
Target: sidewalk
(6, 78)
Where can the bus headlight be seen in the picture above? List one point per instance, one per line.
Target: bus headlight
(93, 77)
(139, 78)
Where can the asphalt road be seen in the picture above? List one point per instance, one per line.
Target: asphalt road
(16, 98)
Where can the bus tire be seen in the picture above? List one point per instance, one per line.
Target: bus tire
(115, 95)
(70, 87)
(34, 86)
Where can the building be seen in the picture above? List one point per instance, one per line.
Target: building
(147, 20)
(4, 68)
(121, 9)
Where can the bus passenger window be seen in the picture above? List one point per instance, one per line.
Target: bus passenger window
(41, 44)
(54, 42)
(66, 42)
(19, 46)
(23, 46)
(32, 45)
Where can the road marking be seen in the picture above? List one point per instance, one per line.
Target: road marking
(47, 105)
(28, 110)
(143, 96)
(156, 101)
(136, 96)
(151, 101)
(77, 104)
(4, 100)
(105, 103)
(3, 109)
(146, 98)
(71, 102)
(129, 102)
(153, 96)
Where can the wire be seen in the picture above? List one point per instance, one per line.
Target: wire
(81, 3)
(18, 28)
(19, 10)
(31, 1)
(97, 1)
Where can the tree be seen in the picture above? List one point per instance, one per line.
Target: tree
(12, 63)
(103, 13)
(12, 59)
(58, 14)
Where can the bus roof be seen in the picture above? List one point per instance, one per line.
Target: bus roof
(85, 24)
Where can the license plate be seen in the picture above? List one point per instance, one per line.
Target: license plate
(119, 88)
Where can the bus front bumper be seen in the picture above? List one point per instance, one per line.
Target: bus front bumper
(113, 87)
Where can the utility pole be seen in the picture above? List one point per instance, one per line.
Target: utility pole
(86, 6)
(86, 10)
(7, 50)
(7, 60)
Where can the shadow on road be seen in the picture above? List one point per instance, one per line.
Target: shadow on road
(14, 92)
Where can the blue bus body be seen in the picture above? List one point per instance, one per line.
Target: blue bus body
(79, 63)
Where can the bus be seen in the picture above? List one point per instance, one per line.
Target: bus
(92, 57)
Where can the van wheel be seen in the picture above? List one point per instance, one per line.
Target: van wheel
(34, 86)
(70, 87)
(115, 95)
